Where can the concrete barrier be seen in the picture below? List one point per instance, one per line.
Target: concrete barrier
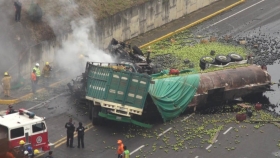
(145, 17)
(194, 23)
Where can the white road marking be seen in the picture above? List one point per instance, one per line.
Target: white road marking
(235, 14)
(41, 104)
(187, 117)
(227, 130)
(196, 157)
(209, 147)
(165, 131)
(137, 149)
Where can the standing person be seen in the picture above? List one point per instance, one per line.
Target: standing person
(6, 83)
(21, 148)
(46, 74)
(26, 154)
(33, 81)
(17, 5)
(38, 72)
(10, 110)
(30, 152)
(81, 132)
(126, 153)
(50, 155)
(70, 133)
(120, 149)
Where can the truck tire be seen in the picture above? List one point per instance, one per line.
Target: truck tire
(235, 57)
(90, 105)
(202, 66)
(136, 50)
(222, 59)
(96, 120)
(206, 60)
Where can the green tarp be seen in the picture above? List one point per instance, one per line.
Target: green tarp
(172, 95)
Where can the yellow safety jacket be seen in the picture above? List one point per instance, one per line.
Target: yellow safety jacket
(38, 72)
(6, 82)
(46, 71)
(126, 154)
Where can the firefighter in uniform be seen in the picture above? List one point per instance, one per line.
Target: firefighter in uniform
(70, 133)
(81, 132)
(46, 74)
(22, 148)
(6, 83)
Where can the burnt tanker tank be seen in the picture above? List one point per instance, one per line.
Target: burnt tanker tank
(229, 84)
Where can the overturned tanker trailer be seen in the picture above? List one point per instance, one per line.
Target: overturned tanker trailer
(219, 86)
(127, 96)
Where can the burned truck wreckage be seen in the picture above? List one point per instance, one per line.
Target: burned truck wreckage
(129, 91)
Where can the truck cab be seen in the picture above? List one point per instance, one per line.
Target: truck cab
(23, 125)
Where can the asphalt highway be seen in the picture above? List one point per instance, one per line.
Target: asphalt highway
(233, 141)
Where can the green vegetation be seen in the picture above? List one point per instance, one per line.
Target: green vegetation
(185, 46)
(198, 132)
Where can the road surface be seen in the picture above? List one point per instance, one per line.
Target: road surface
(172, 139)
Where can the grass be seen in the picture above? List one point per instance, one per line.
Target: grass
(105, 8)
(186, 46)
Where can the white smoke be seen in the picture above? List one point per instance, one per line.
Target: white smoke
(77, 49)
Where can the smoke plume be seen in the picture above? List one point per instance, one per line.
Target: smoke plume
(78, 48)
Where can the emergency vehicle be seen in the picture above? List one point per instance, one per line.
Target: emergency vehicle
(23, 125)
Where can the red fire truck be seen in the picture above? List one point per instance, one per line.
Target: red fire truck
(22, 125)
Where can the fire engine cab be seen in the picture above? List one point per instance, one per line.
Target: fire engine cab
(23, 125)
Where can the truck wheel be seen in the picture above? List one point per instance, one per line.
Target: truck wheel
(235, 57)
(95, 118)
(206, 60)
(90, 105)
(222, 59)
(136, 50)
(202, 66)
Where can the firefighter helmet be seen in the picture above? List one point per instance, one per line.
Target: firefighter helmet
(36, 151)
(21, 142)
(37, 64)
(6, 74)
(25, 152)
(47, 63)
